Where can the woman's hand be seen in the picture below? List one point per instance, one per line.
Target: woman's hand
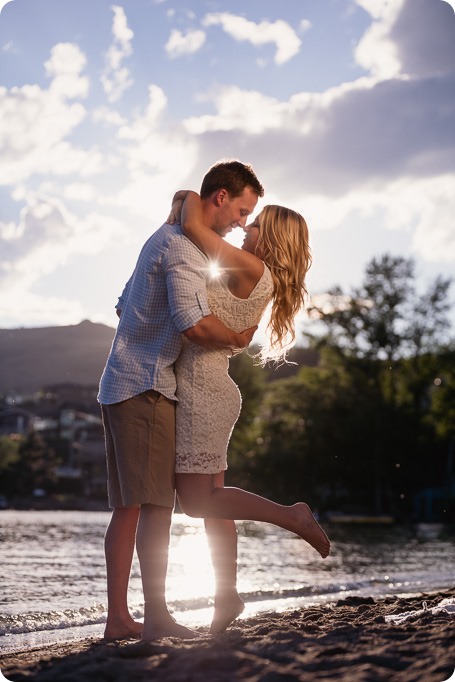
(177, 203)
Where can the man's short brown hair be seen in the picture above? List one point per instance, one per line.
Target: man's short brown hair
(233, 176)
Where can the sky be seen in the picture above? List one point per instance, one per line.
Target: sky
(344, 108)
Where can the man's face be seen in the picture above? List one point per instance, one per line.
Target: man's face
(234, 212)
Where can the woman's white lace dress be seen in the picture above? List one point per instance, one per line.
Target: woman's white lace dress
(208, 400)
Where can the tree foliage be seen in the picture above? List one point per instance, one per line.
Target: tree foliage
(32, 467)
(371, 423)
(385, 318)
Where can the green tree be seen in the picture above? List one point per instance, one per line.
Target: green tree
(385, 318)
(315, 431)
(357, 422)
(9, 455)
(34, 466)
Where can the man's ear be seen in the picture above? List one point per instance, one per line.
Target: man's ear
(220, 197)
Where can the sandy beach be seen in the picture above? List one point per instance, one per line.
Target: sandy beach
(355, 639)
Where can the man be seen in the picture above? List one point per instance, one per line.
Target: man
(164, 301)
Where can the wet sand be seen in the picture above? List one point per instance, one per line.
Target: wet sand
(352, 640)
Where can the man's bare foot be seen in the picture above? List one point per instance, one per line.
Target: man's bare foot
(166, 628)
(309, 529)
(119, 628)
(226, 611)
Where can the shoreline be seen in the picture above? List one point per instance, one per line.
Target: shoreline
(354, 639)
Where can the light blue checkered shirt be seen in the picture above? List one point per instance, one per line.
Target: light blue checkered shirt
(165, 295)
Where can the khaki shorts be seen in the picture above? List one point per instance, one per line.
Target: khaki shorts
(140, 449)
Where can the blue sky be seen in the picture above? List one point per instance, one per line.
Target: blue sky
(345, 108)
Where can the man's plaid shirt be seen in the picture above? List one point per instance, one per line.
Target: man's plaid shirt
(165, 295)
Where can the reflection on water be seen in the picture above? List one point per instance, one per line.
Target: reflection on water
(53, 565)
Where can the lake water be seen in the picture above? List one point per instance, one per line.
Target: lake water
(53, 573)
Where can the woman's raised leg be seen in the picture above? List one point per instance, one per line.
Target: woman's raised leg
(200, 497)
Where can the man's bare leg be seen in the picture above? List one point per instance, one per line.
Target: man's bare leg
(119, 543)
(152, 544)
(222, 538)
(200, 497)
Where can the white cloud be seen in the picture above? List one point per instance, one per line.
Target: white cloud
(407, 38)
(278, 32)
(79, 191)
(64, 67)
(108, 116)
(157, 157)
(39, 243)
(122, 33)
(116, 78)
(47, 235)
(36, 122)
(360, 134)
(376, 51)
(180, 43)
(21, 304)
(433, 201)
(143, 124)
(379, 149)
(251, 112)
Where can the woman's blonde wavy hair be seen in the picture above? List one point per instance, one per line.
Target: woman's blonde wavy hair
(283, 245)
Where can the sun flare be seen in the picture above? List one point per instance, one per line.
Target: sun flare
(214, 269)
(190, 557)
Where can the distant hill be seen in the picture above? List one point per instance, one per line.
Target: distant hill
(33, 358)
(36, 357)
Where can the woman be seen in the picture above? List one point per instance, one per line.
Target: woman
(270, 268)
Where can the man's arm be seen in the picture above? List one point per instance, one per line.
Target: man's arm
(186, 281)
(210, 332)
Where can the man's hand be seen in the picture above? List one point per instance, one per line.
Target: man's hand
(245, 337)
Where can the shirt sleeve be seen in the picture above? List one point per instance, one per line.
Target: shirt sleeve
(121, 300)
(186, 270)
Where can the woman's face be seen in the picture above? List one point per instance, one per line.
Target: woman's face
(251, 235)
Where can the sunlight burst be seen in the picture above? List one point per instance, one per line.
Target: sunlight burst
(214, 269)
(190, 563)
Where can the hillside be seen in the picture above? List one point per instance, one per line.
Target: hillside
(36, 357)
(31, 358)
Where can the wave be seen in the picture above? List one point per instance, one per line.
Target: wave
(96, 614)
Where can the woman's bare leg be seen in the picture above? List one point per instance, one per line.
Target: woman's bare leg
(119, 543)
(199, 497)
(222, 539)
(152, 543)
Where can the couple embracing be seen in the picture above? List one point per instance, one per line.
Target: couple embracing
(168, 403)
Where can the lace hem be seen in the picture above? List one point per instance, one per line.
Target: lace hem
(202, 463)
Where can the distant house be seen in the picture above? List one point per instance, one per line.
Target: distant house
(16, 421)
(68, 424)
(68, 419)
(79, 397)
(89, 457)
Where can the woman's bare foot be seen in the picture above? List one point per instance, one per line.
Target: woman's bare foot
(122, 628)
(309, 529)
(227, 609)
